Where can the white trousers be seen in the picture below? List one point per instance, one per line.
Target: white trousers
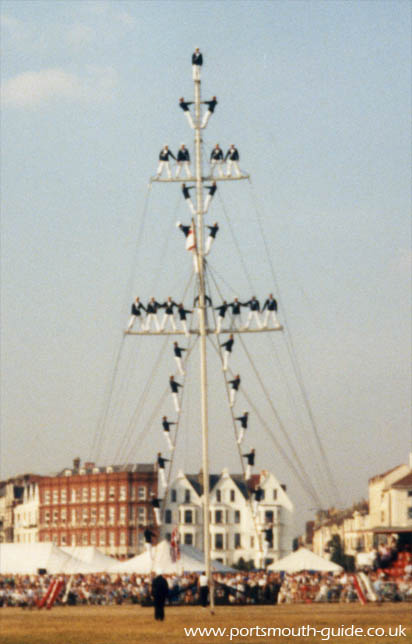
(265, 549)
(157, 516)
(268, 315)
(209, 242)
(168, 319)
(180, 365)
(148, 548)
(162, 475)
(248, 472)
(169, 441)
(189, 118)
(229, 168)
(254, 507)
(241, 435)
(161, 165)
(226, 357)
(255, 315)
(184, 326)
(219, 164)
(133, 320)
(176, 402)
(152, 317)
(186, 166)
(207, 203)
(191, 206)
(233, 393)
(206, 118)
(196, 72)
(219, 323)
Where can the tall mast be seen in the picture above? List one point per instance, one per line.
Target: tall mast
(203, 337)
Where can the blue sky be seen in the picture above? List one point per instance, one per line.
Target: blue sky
(316, 95)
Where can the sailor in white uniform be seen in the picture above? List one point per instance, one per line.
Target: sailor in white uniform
(228, 346)
(232, 158)
(161, 462)
(235, 384)
(168, 314)
(183, 159)
(178, 351)
(166, 424)
(212, 189)
(243, 425)
(182, 312)
(221, 315)
(254, 309)
(155, 503)
(137, 307)
(211, 237)
(197, 62)
(186, 195)
(151, 311)
(271, 307)
(250, 463)
(185, 107)
(216, 159)
(210, 109)
(164, 155)
(174, 387)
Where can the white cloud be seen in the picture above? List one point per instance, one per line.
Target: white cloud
(80, 35)
(34, 89)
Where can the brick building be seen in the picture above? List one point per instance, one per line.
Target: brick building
(107, 507)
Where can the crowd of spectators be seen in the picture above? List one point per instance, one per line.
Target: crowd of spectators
(230, 588)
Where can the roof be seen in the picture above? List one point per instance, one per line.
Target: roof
(94, 469)
(195, 481)
(381, 476)
(405, 482)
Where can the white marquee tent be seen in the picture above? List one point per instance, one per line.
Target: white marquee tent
(91, 555)
(28, 559)
(160, 561)
(304, 559)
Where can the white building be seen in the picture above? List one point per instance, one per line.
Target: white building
(235, 532)
(26, 515)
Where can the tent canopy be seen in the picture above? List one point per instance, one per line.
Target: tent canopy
(91, 555)
(304, 559)
(160, 561)
(28, 558)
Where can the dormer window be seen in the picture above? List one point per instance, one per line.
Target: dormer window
(218, 496)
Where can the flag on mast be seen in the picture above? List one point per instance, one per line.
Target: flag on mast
(174, 545)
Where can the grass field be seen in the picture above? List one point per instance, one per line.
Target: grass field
(135, 625)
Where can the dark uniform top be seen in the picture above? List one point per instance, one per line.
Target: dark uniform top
(222, 309)
(235, 383)
(216, 154)
(186, 193)
(213, 230)
(211, 104)
(232, 154)
(197, 59)
(148, 534)
(166, 425)
(174, 386)
(183, 155)
(270, 304)
(228, 345)
(182, 312)
(243, 420)
(250, 458)
(178, 351)
(185, 229)
(136, 307)
(185, 105)
(161, 463)
(152, 307)
(235, 306)
(253, 304)
(165, 154)
(168, 306)
(212, 189)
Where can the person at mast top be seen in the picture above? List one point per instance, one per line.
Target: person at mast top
(174, 387)
(216, 159)
(168, 306)
(186, 195)
(183, 159)
(184, 228)
(197, 62)
(210, 109)
(232, 157)
(164, 155)
(166, 424)
(228, 346)
(254, 307)
(221, 309)
(137, 306)
(234, 387)
(211, 191)
(151, 310)
(271, 307)
(211, 237)
(178, 351)
(185, 107)
(250, 463)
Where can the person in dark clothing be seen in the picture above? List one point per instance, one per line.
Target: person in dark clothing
(164, 155)
(161, 462)
(166, 424)
(212, 189)
(186, 195)
(243, 425)
(216, 158)
(271, 307)
(210, 109)
(234, 387)
(182, 313)
(137, 307)
(178, 351)
(236, 310)
(228, 346)
(232, 158)
(174, 387)
(184, 228)
(197, 62)
(258, 495)
(221, 315)
(183, 158)
(211, 237)
(151, 310)
(168, 306)
(250, 463)
(155, 503)
(148, 537)
(185, 107)
(160, 592)
(254, 308)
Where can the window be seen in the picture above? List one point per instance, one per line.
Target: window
(219, 516)
(173, 496)
(141, 493)
(122, 538)
(85, 515)
(111, 514)
(188, 516)
(63, 540)
(168, 516)
(93, 538)
(122, 494)
(112, 538)
(218, 496)
(55, 516)
(232, 496)
(132, 512)
(63, 515)
(187, 496)
(188, 539)
(93, 514)
(102, 539)
(102, 493)
(275, 495)
(237, 540)
(237, 516)
(63, 496)
(73, 496)
(74, 517)
(47, 496)
(55, 496)
(85, 539)
(409, 513)
(269, 516)
(47, 516)
(85, 494)
(111, 492)
(102, 515)
(122, 516)
(93, 494)
(141, 515)
(218, 541)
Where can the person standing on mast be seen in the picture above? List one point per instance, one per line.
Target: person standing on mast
(137, 306)
(168, 314)
(161, 462)
(182, 312)
(174, 387)
(151, 310)
(232, 155)
(210, 109)
(183, 158)
(211, 237)
(258, 494)
(197, 62)
(178, 351)
(221, 315)
(185, 107)
(212, 189)
(235, 384)
(228, 345)
(243, 425)
(186, 195)
(250, 463)
(216, 158)
(166, 424)
(155, 503)
(272, 306)
(164, 155)
(254, 307)
(236, 310)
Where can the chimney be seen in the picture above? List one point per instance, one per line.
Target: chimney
(283, 486)
(200, 478)
(89, 465)
(76, 463)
